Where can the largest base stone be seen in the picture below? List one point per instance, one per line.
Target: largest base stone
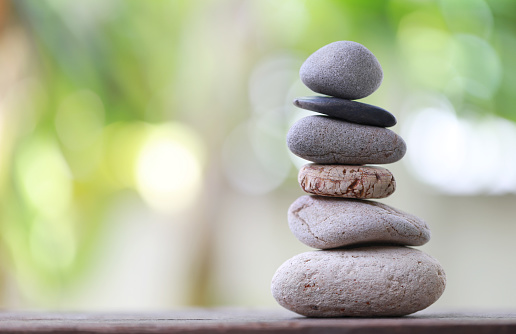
(359, 282)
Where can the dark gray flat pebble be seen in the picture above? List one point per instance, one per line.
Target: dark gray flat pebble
(347, 110)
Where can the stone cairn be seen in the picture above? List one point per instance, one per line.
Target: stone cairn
(364, 267)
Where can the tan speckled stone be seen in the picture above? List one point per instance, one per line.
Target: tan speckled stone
(324, 222)
(347, 181)
(359, 282)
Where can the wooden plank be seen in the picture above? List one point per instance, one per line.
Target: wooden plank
(251, 321)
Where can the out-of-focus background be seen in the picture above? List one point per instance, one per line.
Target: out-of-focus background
(143, 162)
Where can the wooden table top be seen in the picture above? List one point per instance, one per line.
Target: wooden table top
(236, 320)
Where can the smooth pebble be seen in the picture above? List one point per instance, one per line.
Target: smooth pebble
(359, 282)
(323, 222)
(325, 140)
(347, 110)
(343, 69)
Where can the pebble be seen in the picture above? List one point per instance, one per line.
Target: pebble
(364, 282)
(326, 140)
(347, 181)
(324, 222)
(343, 69)
(347, 110)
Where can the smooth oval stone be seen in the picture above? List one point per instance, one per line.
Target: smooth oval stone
(347, 181)
(347, 110)
(343, 69)
(323, 222)
(326, 140)
(359, 282)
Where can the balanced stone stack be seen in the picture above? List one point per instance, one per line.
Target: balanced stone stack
(364, 267)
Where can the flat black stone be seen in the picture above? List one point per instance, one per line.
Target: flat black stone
(347, 110)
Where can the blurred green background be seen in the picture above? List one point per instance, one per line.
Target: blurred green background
(143, 162)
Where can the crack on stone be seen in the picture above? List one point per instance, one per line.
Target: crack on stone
(296, 214)
(347, 182)
(415, 222)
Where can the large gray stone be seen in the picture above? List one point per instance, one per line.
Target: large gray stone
(324, 222)
(348, 181)
(326, 140)
(343, 69)
(359, 282)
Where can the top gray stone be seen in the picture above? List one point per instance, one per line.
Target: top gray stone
(342, 69)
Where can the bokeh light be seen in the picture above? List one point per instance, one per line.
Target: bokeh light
(44, 177)
(142, 144)
(466, 156)
(168, 169)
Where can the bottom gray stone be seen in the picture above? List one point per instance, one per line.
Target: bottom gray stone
(359, 282)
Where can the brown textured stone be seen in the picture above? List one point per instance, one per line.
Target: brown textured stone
(347, 181)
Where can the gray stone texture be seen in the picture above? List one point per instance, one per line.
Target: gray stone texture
(326, 140)
(349, 181)
(359, 282)
(343, 69)
(324, 222)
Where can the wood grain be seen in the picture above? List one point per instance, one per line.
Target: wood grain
(251, 321)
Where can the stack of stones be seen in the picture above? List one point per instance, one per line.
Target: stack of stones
(364, 267)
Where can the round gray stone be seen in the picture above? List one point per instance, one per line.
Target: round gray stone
(343, 69)
(324, 222)
(348, 181)
(326, 140)
(359, 282)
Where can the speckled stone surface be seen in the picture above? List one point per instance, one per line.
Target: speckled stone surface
(349, 181)
(359, 282)
(347, 110)
(326, 140)
(343, 69)
(323, 222)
